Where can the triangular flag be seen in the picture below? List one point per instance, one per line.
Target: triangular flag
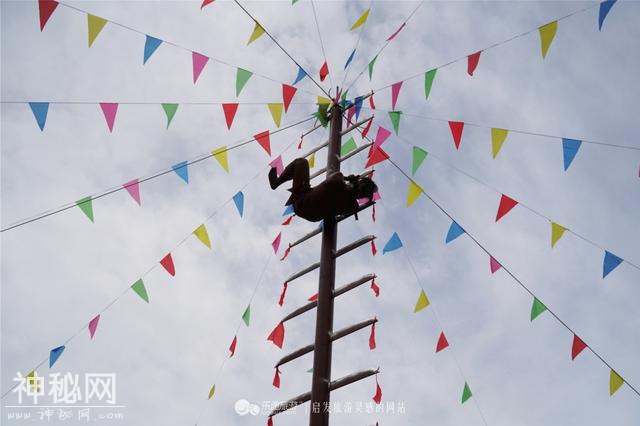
(577, 346)
(150, 46)
(170, 111)
(418, 157)
(377, 156)
(313, 297)
(394, 243)
(605, 7)
(498, 136)
(220, 155)
(570, 148)
(242, 76)
(312, 160)
(278, 165)
(351, 111)
(203, 235)
(276, 378)
(615, 382)
(395, 91)
(454, 232)
(277, 335)
(96, 24)
(357, 104)
(537, 308)
(199, 61)
(494, 265)
(422, 302)
(257, 32)
(442, 342)
(205, 3)
(505, 206)
(264, 141)
(246, 316)
(456, 131)
(371, 103)
(392, 36)
(133, 188)
(276, 112)
(395, 120)
(361, 20)
(93, 325)
(232, 348)
(86, 205)
(381, 137)
(40, 111)
(229, 113)
(370, 66)
(301, 74)
(353, 53)
(429, 76)
(238, 199)
(212, 391)
(365, 132)
(472, 62)
(466, 393)
(348, 146)
(547, 33)
(47, 7)
(182, 170)
(109, 110)
(377, 398)
(276, 243)
(611, 262)
(413, 194)
(372, 337)
(323, 101)
(288, 92)
(55, 354)
(140, 290)
(32, 381)
(556, 233)
(167, 264)
(375, 288)
(324, 71)
(289, 209)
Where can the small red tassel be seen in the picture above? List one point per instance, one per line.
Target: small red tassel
(300, 143)
(378, 396)
(373, 248)
(366, 129)
(286, 253)
(284, 292)
(373, 106)
(276, 379)
(373, 214)
(375, 288)
(372, 337)
(270, 422)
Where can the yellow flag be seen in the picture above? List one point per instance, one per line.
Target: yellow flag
(203, 235)
(498, 136)
(323, 101)
(212, 391)
(312, 160)
(32, 381)
(220, 154)
(276, 113)
(361, 20)
(257, 32)
(96, 24)
(615, 382)
(414, 193)
(547, 33)
(556, 233)
(423, 302)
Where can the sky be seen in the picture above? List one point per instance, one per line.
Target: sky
(59, 272)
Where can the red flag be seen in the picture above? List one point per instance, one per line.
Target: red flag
(456, 131)
(232, 348)
(167, 264)
(288, 92)
(392, 36)
(375, 288)
(270, 421)
(206, 2)
(276, 379)
(313, 298)
(365, 132)
(577, 347)
(286, 253)
(377, 156)
(442, 342)
(506, 204)
(378, 396)
(324, 71)
(372, 337)
(288, 220)
(284, 292)
(350, 112)
(373, 248)
(472, 62)
(277, 335)
(263, 140)
(229, 113)
(371, 103)
(46, 9)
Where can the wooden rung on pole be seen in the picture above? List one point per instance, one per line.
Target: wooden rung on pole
(346, 157)
(342, 133)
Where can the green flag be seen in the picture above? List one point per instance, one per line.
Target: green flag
(395, 120)
(428, 81)
(242, 76)
(348, 146)
(140, 290)
(246, 316)
(537, 308)
(86, 206)
(170, 110)
(371, 64)
(343, 99)
(419, 155)
(321, 114)
(466, 393)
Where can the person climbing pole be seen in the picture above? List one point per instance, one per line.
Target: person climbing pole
(337, 195)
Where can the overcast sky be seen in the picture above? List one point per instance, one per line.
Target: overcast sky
(57, 273)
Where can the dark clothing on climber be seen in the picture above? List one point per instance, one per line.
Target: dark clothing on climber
(337, 195)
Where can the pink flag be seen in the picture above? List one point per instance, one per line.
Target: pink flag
(93, 325)
(109, 110)
(392, 36)
(381, 137)
(199, 61)
(277, 163)
(395, 91)
(494, 265)
(133, 188)
(276, 243)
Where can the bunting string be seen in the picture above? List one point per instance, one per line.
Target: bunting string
(348, 66)
(315, 17)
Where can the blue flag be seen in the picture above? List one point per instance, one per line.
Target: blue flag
(239, 200)
(150, 46)
(394, 243)
(605, 7)
(350, 59)
(288, 210)
(611, 262)
(358, 103)
(570, 148)
(301, 75)
(40, 110)
(182, 170)
(55, 354)
(455, 231)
